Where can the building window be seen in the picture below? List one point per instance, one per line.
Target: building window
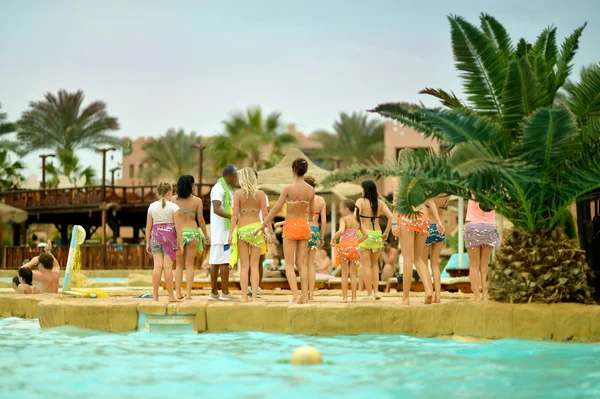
(140, 168)
(131, 171)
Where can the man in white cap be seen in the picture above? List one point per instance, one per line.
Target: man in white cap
(221, 204)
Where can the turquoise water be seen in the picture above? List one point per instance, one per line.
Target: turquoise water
(81, 364)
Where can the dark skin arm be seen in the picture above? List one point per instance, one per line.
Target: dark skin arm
(219, 211)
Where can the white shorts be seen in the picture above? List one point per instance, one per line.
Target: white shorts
(218, 255)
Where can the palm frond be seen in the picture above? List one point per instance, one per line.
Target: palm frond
(497, 34)
(407, 114)
(583, 98)
(548, 139)
(567, 53)
(455, 126)
(522, 94)
(447, 99)
(482, 66)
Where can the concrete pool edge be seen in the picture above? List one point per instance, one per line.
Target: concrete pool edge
(488, 320)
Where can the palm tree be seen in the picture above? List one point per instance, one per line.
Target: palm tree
(63, 124)
(69, 166)
(171, 156)
(513, 147)
(5, 129)
(248, 135)
(356, 139)
(10, 172)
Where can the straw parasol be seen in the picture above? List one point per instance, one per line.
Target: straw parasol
(274, 180)
(10, 214)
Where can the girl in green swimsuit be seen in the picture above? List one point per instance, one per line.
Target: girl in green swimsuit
(190, 208)
(370, 208)
(246, 246)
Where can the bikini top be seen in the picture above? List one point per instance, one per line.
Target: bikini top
(249, 210)
(315, 215)
(298, 200)
(350, 234)
(188, 212)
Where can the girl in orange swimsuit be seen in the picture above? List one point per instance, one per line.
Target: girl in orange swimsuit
(412, 230)
(348, 250)
(299, 198)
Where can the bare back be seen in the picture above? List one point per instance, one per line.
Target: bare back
(319, 206)
(189, 208)
(249, 209)
(298, 197)
(368, 219)
(441, 203)
(48, 281)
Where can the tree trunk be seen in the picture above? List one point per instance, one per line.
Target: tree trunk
(544, 266)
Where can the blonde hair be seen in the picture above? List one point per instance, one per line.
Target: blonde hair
(248, 182)
(162, 189)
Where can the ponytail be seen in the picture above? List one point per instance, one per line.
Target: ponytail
(162, 189)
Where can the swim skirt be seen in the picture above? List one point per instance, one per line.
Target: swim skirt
(246, 234)
(480, 234)
(434, 235)
(315, 238)
(191, 234)
(348, 250)
(296, 229)
(374, 241)
(417, 223)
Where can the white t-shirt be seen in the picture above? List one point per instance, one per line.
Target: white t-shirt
(163, 215)
(219, 235)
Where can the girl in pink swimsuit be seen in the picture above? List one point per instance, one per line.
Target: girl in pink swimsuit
(348, 250)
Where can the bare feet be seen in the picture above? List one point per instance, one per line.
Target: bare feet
(188, 297)
(173, 300)
(155, 299)
(344, 300)
(404, 302)
(428, 298)
(244, 300)
(368, 298)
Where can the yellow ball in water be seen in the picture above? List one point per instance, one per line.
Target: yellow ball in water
(306, 355)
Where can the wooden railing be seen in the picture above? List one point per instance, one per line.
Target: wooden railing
(122, 257)
(84, 196)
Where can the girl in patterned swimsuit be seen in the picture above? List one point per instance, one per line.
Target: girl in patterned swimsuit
(248, 203)
(348, 248)
(190, 212)
(317, 232)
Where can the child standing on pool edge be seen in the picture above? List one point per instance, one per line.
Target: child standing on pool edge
(163, 228)
(348, 248)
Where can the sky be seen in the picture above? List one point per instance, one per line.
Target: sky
(188, 64)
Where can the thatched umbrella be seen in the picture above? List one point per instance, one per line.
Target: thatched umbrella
(10, 214)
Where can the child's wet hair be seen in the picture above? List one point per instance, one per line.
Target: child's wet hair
(16, 281)
(27, 275)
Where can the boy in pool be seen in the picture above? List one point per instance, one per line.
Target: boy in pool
(49, 270)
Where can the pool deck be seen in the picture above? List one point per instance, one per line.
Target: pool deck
(325, 316)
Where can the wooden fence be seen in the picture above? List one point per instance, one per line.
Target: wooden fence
(123, 257)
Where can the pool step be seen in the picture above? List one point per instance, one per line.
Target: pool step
(166, 323)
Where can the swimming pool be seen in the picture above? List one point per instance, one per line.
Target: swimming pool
(87, 364)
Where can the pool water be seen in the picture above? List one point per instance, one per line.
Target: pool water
(74, 363)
